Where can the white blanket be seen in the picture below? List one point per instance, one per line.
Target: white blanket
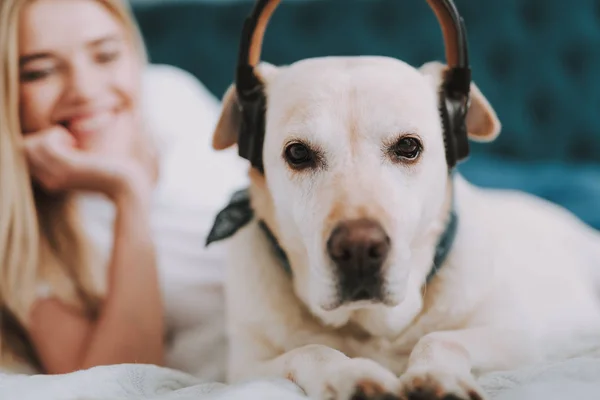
(578, 378)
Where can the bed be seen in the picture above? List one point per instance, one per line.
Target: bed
(550, 147)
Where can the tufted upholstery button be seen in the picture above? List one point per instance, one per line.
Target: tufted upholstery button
(542, 106)
(500, 61)
(534, 13)
(228, 23)
(575, 59)
(585, 147)
(385, 20)
(309, 21)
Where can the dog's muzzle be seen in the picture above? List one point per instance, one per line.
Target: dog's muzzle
(359, 249)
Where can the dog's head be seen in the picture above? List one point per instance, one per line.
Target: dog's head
(355, 183)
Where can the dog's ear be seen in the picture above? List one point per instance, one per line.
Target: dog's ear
(229, 124)
(483, 124)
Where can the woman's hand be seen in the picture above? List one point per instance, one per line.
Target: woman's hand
(58, 165)
(130, 324)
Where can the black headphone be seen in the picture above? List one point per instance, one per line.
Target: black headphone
(454, 98)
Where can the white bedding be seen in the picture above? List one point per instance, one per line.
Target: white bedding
(577, 378)
(197, 183)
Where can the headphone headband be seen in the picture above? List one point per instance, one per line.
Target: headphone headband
(455, 89)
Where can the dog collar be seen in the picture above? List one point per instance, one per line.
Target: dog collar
(445, 241)
(238, 213)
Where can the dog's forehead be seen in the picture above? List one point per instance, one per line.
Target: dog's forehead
(377, 88)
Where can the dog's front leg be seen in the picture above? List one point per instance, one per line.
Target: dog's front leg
(441, 365)
(325, 373)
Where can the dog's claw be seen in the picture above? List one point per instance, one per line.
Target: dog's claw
(368, 391)
(439, 386)
(361, 395)
(420, 394)
(360, 379)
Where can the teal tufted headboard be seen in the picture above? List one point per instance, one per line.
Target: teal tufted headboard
(537, 61)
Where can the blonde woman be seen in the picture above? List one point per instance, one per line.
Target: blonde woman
(70, 125)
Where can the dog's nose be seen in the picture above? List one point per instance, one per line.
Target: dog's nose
(359, 248)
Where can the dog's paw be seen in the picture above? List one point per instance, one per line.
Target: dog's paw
(439, 385)
(360, 379)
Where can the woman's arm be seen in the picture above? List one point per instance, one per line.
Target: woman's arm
(129, 328)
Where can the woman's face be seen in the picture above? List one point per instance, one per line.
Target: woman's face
(79, 69)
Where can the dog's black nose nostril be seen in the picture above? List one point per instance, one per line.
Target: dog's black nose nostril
(344, 255)
(360, 245)
(361, 294)
(377, 252)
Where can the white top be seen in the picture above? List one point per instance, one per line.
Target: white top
(195, 183)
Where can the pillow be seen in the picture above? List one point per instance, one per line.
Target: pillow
(175, 104)
(181, 113)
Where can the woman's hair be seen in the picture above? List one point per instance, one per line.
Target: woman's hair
(40, 237)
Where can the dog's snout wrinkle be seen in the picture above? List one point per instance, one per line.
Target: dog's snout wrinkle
(359, 249)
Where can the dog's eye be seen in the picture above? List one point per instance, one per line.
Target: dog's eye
(407, 148)
(299, 156)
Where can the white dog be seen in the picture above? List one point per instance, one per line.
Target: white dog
(357, 193)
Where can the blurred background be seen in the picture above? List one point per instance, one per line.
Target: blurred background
(537, 62)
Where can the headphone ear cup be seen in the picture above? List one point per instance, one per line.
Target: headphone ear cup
(252, 132)
(449, 144)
